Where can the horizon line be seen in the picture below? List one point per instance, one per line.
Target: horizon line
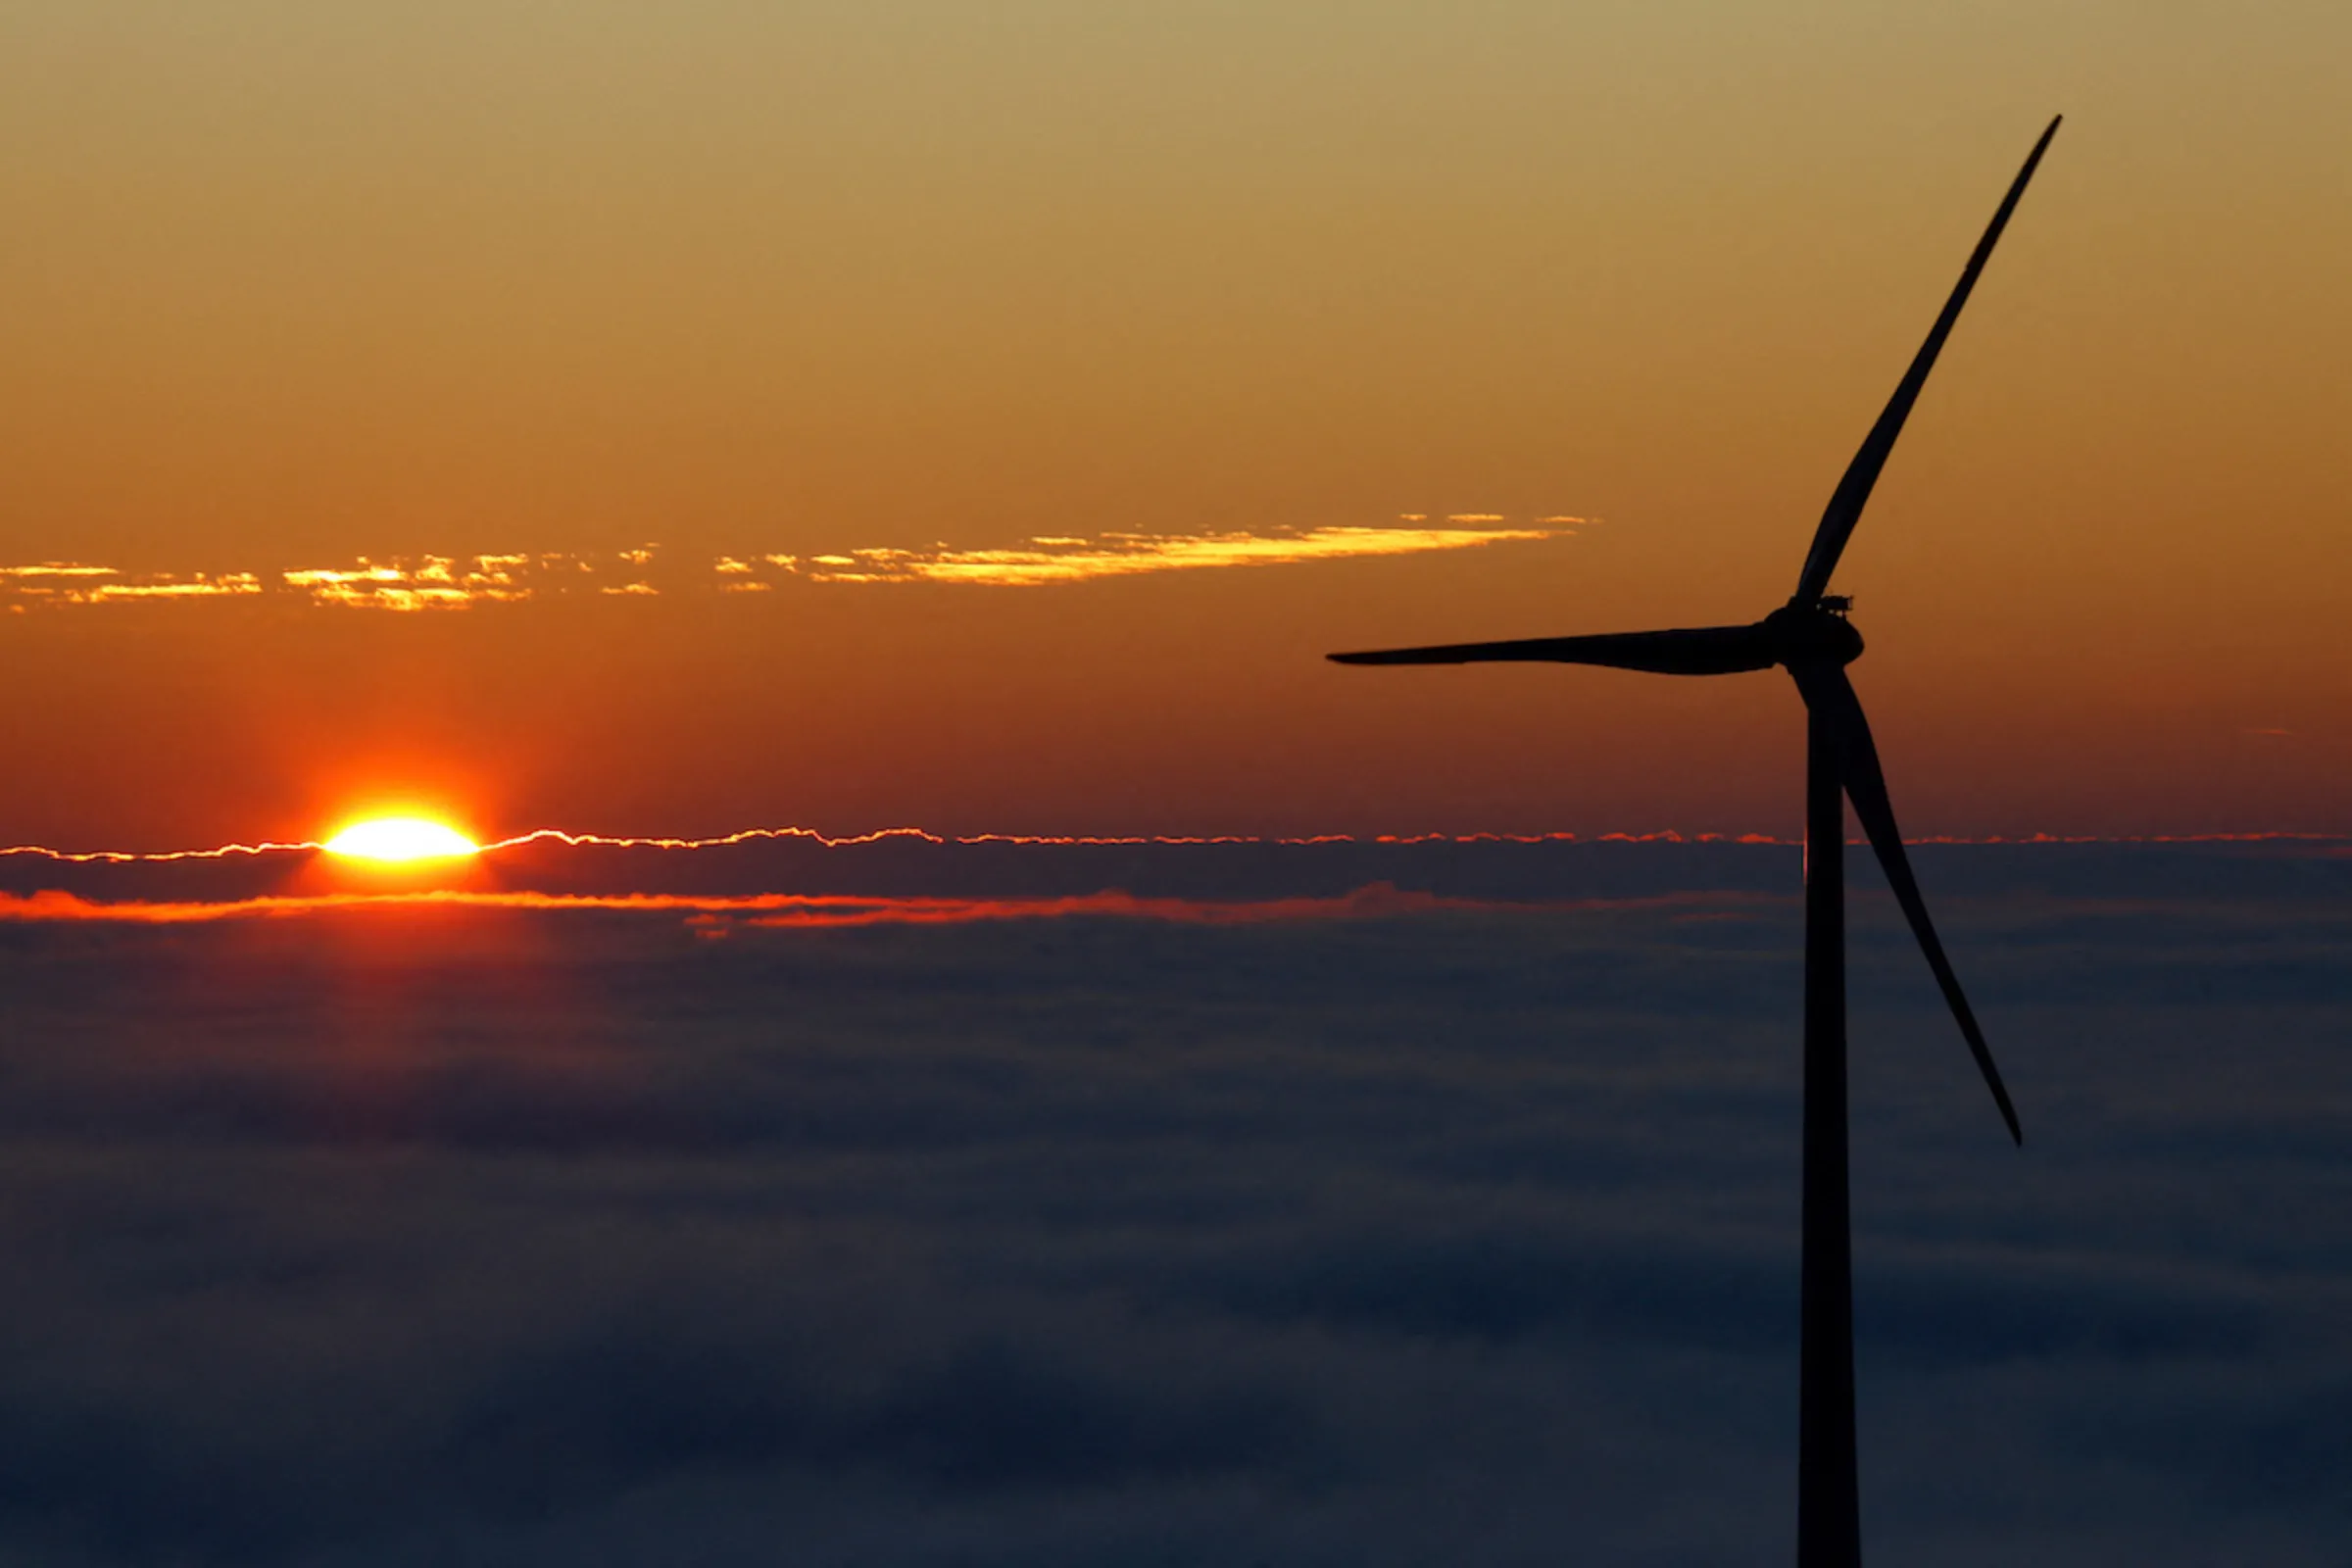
(822, 840)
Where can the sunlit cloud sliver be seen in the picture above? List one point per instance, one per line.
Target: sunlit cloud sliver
(432, 582)
(1055, 558)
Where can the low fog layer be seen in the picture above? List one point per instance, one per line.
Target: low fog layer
(1462, 1236)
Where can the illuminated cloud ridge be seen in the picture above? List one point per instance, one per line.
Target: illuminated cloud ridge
(795, 876)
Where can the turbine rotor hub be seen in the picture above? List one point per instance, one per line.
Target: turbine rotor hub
(1812, 634)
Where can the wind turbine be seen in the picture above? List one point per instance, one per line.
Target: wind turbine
(1811, 638)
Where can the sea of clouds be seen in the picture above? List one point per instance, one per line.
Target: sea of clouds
(1453, 1223)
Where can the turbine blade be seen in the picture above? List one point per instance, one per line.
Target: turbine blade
(1697, 651)
(1826, 689)
(1853, 490)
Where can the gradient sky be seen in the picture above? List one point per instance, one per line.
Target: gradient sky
(294, 285)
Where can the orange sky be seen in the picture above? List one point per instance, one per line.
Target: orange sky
(295, 285)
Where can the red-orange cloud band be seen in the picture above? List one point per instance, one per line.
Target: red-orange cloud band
(760, 910)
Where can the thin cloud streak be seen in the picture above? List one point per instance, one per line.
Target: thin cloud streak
(439, 582)
(62, 582)
(1054, 559)
(407, 584)
(710, 914)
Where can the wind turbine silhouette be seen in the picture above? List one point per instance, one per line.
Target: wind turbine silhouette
(1811, 638)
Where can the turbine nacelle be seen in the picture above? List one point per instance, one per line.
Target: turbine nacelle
(1811, 634)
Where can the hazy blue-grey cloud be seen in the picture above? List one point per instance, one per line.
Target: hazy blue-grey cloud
(1454, 1235)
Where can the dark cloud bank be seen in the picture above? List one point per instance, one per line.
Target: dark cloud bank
(1453, 1237)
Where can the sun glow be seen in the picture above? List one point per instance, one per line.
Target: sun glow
(400, 838)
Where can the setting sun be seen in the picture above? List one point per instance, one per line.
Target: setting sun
(400, 838)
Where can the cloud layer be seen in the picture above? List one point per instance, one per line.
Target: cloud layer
(504, 1235)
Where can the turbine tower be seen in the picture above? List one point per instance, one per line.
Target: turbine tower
(1811, 638)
